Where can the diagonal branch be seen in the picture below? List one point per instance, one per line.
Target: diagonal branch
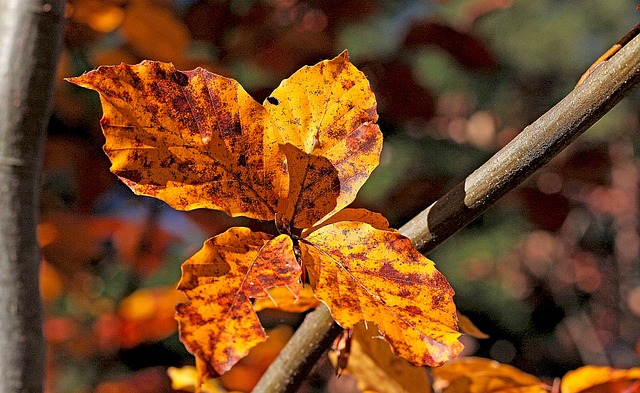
(531, 149)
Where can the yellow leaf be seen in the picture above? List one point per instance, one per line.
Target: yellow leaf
(329, 110)
(193, 139)
(590, 376)
(366, 274)
(376, 368)
(218, 324)
(376, 220)
(478, 375)
(283, 299)
(185, 378)
(313, 191)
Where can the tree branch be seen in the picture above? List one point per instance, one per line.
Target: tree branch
(531, 149)
(30, 42)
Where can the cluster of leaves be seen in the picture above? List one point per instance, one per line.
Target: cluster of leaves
(197, 140)
(548, 272)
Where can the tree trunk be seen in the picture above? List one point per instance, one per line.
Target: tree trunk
(30, 42)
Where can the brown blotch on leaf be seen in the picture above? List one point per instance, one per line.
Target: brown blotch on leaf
(180, 78)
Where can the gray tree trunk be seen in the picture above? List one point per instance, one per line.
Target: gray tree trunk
(30, 42)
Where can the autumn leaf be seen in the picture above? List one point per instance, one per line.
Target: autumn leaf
(185, 378)
(328, 110)
(468, 327)
(376, 368)
(192, 139)
(478, 375)
(218, 324)
(379, 276)
(247, 372)
(589, 377)
(148, 315)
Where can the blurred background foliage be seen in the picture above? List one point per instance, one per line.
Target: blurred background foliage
(551, 272)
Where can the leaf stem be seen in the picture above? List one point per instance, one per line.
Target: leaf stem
(531, 149)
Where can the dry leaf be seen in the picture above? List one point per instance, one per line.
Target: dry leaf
(218, 324)
(328, 110)
(378, 276)
(193, 139)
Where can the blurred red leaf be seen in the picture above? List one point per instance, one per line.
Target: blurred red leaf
(468, 50)
(400, 97)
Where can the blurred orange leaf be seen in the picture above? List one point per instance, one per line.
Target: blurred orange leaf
(376, 368)
(185, 378)
(102, 16)
(602, 379)
(247, 372)
(148, 315)
(154, 31)
(478, 375)
(467, 327)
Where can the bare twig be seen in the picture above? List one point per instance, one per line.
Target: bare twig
(532, 148)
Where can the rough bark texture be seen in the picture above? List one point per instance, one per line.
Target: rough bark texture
(30, 41)
(534, 147)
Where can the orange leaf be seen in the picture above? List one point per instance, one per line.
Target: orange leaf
(154, 31)
(246, 374)
(376, 368)
(329, 110)
(185, 378)
(148, 315)
(193, 139)
(468, 327)
(378, 276)
(478, 375)
(376, 220)
(283, 299)
(218, 324)
(315, 188)
(588, 377)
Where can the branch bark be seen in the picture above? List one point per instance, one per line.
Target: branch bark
(30, 42)
(531, 149)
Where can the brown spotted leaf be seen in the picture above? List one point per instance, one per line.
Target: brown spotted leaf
(366, 274)
(329, 110)
(314, 189)
(218, 324)
(193, 139)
